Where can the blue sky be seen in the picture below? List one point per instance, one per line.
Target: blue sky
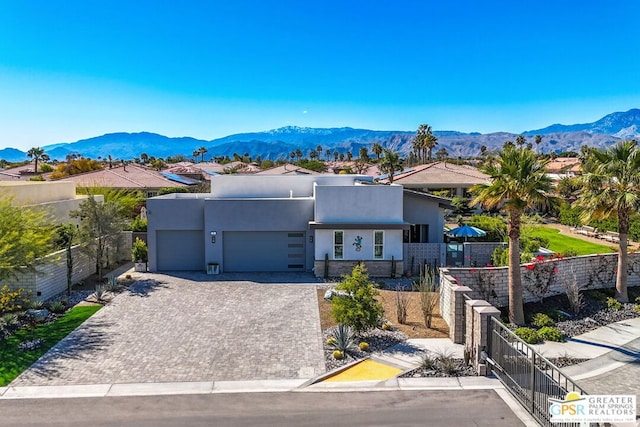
(76, 69)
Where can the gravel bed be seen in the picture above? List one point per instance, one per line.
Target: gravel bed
(378, 340)
(73, 299)
(460, 368)
(594, 315)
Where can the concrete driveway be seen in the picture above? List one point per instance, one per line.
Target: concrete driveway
(169, 328)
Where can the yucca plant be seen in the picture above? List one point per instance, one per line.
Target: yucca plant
(57, 307)
(344, 338)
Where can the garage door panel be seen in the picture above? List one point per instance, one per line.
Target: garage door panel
(264, 251)
(180, 250)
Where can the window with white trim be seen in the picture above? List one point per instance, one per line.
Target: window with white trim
(378, 244)
(338, 244)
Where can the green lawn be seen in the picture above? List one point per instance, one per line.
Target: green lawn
(14, 361)
(560, 243)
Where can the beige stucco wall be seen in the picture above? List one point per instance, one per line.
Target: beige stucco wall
(58, 198)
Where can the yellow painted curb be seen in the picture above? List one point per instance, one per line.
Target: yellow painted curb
(366, 370)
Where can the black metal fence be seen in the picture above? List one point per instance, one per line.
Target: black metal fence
(530, 377)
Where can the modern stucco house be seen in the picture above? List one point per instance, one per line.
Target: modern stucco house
(291, 223)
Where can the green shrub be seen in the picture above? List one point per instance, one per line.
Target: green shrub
(357, 306)
(495, 227)
(139, 251)
(637, 308)
(600, 296)
(614, 304)
(551, 334)
(139, 224)
(568, 253)
(540, 320)
(57, 307)
(528, 335)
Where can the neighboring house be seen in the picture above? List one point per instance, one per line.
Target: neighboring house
(438, 176)
(287, 169)
(20, 173)
(562, 167)
(59, 198)
(292, 223)
(130, 177)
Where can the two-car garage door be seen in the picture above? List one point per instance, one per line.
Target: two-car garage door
(264, 251)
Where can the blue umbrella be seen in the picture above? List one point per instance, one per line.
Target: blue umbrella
(466, 231)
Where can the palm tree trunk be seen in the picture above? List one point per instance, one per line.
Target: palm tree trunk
(621, 276)
(516, 311)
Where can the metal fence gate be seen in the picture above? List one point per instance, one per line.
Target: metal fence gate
(530, 377)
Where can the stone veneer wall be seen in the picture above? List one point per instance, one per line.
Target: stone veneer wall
(491, 283)
(50, 278)
(374, 268)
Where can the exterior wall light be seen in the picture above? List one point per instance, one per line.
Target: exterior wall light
(213, 236)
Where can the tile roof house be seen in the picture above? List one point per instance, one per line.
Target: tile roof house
(287, 169)
(439, 176)
(131, 177)
(20, 173)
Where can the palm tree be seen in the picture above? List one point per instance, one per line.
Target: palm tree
(390, 164)
(335, 155)
(319, 150)
(195, 155)
(202, 151)
(363, 154)
(424, 142)
(349, 156)
(298, 153)
(144, 157)
(520, 140)
(313, 154)
(611, 186)
(518, 183)
(538, 141)
(36, 153)
(377, 150)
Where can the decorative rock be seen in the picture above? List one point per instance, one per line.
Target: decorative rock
(30, 345)
(38, 315)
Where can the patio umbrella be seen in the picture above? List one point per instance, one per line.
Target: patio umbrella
(466, 231)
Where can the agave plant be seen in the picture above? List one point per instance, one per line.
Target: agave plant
(344, 338)
(9, 321)
(36, 305)
(99, 293)
(112, 284)
(57, 307)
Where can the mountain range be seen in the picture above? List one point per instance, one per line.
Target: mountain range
(279, 143)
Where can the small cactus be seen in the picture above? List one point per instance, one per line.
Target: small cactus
(386, 326)
(337, 354)
(331, 341)
(364, 346)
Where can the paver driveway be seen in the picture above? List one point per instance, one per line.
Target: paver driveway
(190, 330)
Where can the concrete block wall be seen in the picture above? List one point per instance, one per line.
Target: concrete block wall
(590, 271)
(50, 277)
(479, 254)
(433, 253)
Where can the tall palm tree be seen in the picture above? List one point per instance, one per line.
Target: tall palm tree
(424, 142)
(349, 156)
(518, 183)
(611, 186)
(319, 150)
(538, 141)
(377, 150)
(363, 154)
(202, 151)
(390, 164)
(36, 154)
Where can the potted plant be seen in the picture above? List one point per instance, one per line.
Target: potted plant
(140, 255)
